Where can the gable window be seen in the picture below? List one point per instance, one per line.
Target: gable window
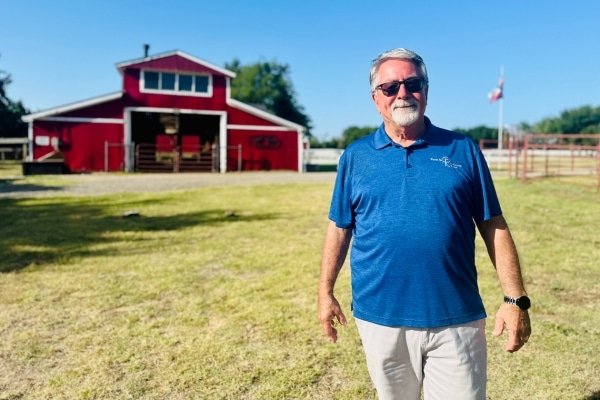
(151, 80)
(186, 82)
(201, 84)
(170, 82)
(167, 81)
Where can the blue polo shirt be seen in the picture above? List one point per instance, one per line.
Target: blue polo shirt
(412, 213)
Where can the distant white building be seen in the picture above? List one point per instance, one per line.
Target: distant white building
(316, 160)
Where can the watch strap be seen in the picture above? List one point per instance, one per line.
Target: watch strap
(510, 300)
(522, 302)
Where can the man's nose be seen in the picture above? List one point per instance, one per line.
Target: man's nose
(402, 92)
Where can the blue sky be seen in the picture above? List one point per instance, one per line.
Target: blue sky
(59, 52)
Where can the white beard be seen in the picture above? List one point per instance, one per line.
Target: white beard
(405, 116)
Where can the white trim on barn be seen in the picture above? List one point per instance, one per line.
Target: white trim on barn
(177, 91)
(301, 153)
(30, 139)
(46, 115)
(72, 106)
(86, 120)
(223, 149)
(259, 128)
(265, 115)
(121, 66)
(248, 118)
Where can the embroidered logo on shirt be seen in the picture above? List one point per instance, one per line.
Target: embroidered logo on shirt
(447, 162)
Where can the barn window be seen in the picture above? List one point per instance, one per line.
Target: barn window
(153, 81)
(201, 83)
(150, 80)
(168, 81)
(185, 83)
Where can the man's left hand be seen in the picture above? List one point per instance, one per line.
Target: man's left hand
(516, 322)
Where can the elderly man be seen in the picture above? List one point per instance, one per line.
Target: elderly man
(410, 197)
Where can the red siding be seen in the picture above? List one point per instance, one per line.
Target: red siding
(263, 150)
(83, 145)
(236, 116)
(48, 129)
(174, 63)
(110, 109)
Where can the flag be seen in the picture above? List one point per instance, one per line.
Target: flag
(496, 93)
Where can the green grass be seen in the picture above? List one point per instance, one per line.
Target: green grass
(10, 169)
(11, 173)
(211, 294)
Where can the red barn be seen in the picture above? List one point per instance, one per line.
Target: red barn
(174, 113)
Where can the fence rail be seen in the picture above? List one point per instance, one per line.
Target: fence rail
(13, 149)
(188, 159)
(556, 155)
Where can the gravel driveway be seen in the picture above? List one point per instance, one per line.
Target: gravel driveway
(98, 184)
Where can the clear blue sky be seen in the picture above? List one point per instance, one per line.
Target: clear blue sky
(59, 52)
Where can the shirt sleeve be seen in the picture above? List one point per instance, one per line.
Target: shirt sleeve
(486, 202)
(340, 210)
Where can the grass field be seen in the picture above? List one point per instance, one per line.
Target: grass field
(211, 294)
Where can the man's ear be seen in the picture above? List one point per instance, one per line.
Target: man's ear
(374, 97)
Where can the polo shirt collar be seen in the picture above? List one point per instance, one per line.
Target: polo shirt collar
(431, 136)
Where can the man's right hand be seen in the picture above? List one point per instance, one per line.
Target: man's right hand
(329, 312)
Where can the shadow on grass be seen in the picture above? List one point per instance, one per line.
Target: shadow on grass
(595, 396)
(9, 186)
(43, 232)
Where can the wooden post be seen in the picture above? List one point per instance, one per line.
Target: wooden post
(525, 151)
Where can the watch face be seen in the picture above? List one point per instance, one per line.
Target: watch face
(523, 302)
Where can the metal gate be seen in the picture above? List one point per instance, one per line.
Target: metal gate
(190, 159)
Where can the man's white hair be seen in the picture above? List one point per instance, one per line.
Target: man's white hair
(395, 54)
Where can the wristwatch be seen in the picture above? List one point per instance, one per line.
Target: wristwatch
(522, 302)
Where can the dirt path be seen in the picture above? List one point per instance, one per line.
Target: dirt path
(98, 184)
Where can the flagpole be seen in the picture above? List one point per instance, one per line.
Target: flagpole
(500, 111)
(500, 116)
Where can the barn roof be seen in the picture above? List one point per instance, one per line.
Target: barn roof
(264, 114)
(156, 61)
(150, 60)
(72, 106)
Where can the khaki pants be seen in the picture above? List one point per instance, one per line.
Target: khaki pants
(449, 363)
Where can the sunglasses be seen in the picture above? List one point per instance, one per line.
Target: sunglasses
(412, 85)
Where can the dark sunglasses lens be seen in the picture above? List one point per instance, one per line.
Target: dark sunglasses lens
(391, 88)
(413, 85)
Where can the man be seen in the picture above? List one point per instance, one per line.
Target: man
(410, 196)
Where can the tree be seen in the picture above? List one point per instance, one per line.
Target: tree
(349, 135)
(267, 85)
(479, 132)
(353, 133)
(11, 112)
(584, 119)
(333, 143)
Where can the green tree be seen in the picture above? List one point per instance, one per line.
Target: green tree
(349, 135)
(479, 132)
(353, 133)
(591, 129)
(584, 119)
(268, 86)
(11, 112)
(333, 143)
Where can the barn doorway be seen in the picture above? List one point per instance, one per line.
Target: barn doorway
(174, 141)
